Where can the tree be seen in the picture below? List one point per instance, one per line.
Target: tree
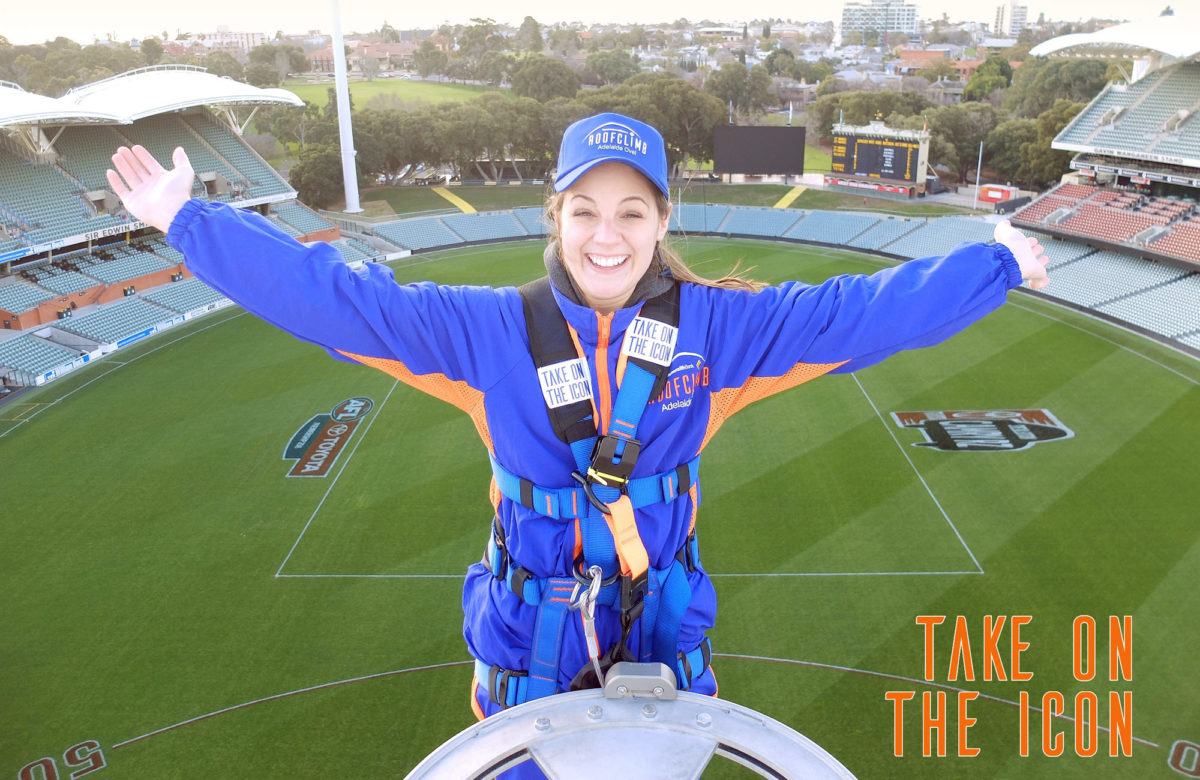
(529, 36)
(494, 67)
(780, 62)
(993, 75)
(1044, 165)
(963, 128)
(728, 84)
(543, 78)
(760, 92)
(428, 59)
(223, 64)
(1005, 145)
(564, 41)
(1040, 82)
(317, 178)
(284, 58)
(389, 34)
(745, 31)
(369, 66)
(260, 74)
(612, 67)
(331, 104)
(152, 51)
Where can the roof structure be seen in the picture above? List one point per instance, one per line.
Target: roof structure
(1171, 36)
(18, 107)
(161, 88)
(134, 95)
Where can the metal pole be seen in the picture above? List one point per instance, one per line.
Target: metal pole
(978, 168)
(345, 133)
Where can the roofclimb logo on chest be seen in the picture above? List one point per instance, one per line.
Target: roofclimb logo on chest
(689, 371)
(614, 135)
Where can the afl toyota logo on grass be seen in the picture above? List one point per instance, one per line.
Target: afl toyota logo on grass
(996, 430)
(316, 446)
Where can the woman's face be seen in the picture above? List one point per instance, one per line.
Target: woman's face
(607, 228)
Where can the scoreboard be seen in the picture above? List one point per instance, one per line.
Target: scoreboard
(894, 159)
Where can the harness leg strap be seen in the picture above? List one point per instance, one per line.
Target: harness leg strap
(548, 637)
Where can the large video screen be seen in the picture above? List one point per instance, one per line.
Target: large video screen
(876, 158)
(758, 150)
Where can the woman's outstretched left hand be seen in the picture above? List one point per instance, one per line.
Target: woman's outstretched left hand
(1030, 255)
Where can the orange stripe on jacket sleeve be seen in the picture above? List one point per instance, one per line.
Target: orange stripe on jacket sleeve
(728, 402)
(454, 392)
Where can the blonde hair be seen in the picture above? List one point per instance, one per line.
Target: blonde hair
(679, 268)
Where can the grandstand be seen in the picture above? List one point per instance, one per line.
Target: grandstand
(1136, 145)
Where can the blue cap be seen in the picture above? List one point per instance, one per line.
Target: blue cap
(611, 138)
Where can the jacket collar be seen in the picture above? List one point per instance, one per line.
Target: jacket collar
(582, 317)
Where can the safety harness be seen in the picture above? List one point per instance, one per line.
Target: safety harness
(613, 567)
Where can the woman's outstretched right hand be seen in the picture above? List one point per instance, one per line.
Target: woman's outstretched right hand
(149, 192)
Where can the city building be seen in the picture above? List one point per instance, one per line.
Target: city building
(880, 16)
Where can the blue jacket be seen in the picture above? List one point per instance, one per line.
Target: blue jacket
(468, 346)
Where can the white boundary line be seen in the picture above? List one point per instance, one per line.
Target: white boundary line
(69, 393)
(453, 664)
(337, 476)
(904, 452)
(913, 680)
(286, 694)
(1127, 348)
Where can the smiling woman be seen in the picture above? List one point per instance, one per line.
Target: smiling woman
(592, 483)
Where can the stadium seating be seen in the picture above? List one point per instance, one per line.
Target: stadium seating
(885, 231)
(765, 222)
(263, 179)
(128, 263)
(1061, 252)
(532, 220)
(19, 296)
(698, 218)
(1110, 224)
(1183, 241)
(1133, 118)
(300, 217)
(939, 236)
(183, 296)
(66, 282)
(112, 323)
(45, 202)
(353, 250)
(489, 226)
(33, 355)
(419, 233)
(831, 227)
(286, 227)
(1104, 276)
(1172, 309)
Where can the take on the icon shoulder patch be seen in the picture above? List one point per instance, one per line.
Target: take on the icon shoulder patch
(994, 430)
(316, 446)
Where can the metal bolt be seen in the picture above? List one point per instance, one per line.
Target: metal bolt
(649, 711)
(658, 691)
(542, 724)
(595, 712)
(704, 720)
(622, 690)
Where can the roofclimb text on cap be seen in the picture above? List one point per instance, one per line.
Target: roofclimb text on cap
(611, 138)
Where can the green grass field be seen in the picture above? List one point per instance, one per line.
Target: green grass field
(361, 92)
(169, 594)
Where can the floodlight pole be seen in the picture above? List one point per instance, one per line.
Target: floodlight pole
(345, 133)
(978, 170)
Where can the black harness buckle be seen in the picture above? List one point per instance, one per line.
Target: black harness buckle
(610, 469)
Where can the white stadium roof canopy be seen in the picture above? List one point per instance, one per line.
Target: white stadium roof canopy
(137, 94)
(18, 107)
(1173, 36)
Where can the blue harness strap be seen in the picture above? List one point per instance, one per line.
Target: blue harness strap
(547, 637)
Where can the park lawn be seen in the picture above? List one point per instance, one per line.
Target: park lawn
(843, 201)
(361, 92)
(410, 200)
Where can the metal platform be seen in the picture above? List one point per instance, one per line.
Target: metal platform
(637, 727)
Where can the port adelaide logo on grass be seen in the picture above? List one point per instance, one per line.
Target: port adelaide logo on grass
(997, 430)
(316, 446)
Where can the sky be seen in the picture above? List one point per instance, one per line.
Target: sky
(28, 22)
